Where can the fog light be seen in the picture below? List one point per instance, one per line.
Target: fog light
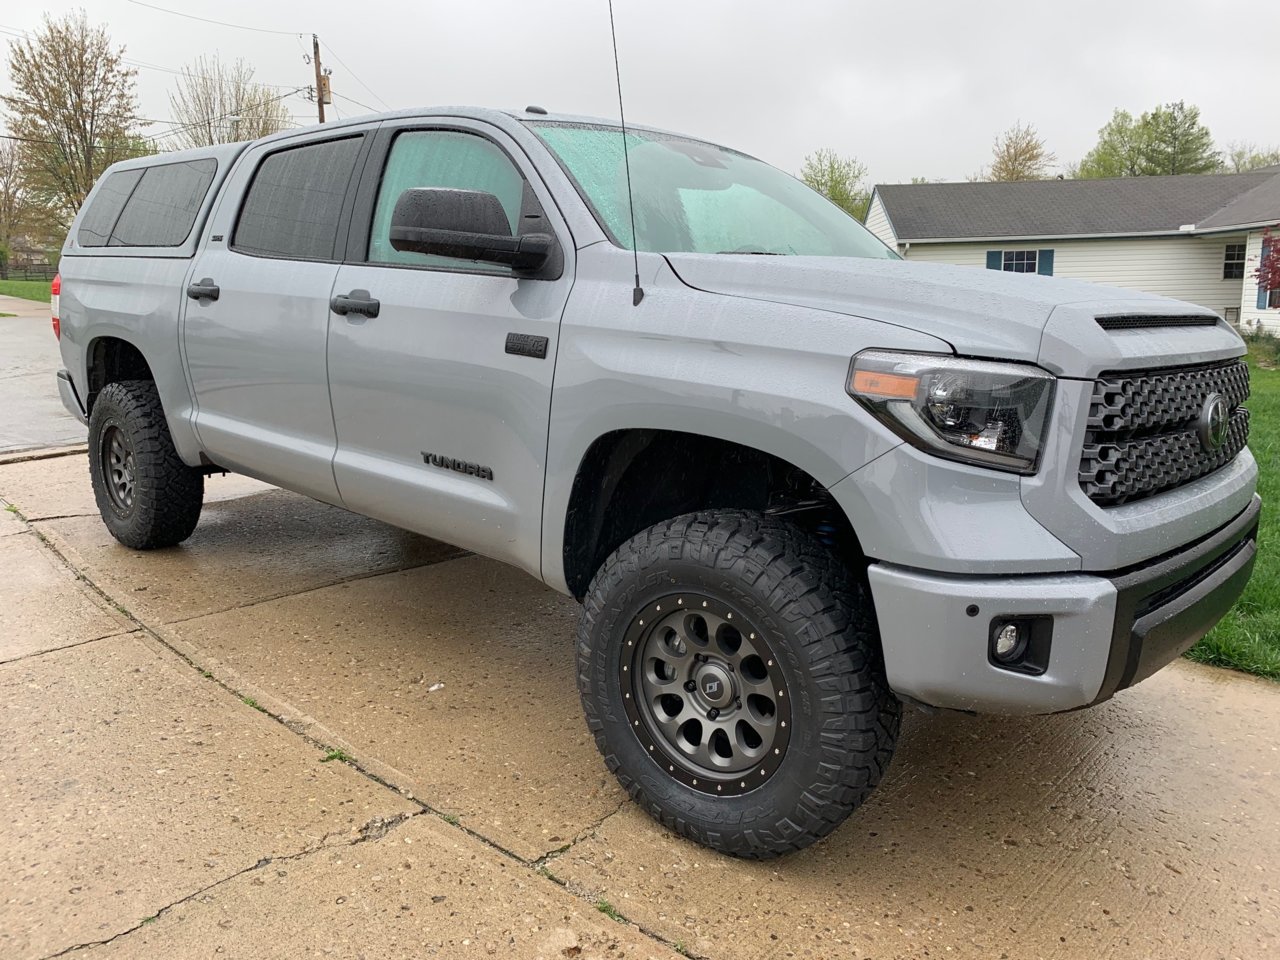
(1008, 642)
(1021, 644)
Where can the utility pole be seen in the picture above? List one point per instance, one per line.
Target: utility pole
(315, 51)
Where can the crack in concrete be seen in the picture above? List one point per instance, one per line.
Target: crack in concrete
(67, 646)
(375, 829)
(587, 833)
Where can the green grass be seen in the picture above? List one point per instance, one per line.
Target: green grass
(249, 701)
(608, 909)
(27, 289)
(335, 754)
(1248, 638)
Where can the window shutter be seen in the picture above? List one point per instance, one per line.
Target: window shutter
(994, 260)
(1044, 263)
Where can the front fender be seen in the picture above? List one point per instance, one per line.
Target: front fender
(766, 376)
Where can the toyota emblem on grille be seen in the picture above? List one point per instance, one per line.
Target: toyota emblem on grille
(1214, 423)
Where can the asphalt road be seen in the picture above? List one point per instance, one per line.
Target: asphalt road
(31, 414)
(166, 718)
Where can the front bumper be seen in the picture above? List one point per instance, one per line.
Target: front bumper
(1108, 631)
(70, 399)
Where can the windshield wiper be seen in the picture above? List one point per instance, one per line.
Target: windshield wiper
(752, 253)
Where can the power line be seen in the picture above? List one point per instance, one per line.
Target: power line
(220, 23)
(342, 63)
(207, 120)
(10, 136)
(343, 96)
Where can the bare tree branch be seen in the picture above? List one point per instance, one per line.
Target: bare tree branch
(215, 102)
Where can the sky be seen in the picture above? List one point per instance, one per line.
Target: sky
(911, 89)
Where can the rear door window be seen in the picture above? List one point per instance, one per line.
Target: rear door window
(294, 203)
(164, 204)
(104, 210)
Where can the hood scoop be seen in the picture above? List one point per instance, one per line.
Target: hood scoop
(1138, 321)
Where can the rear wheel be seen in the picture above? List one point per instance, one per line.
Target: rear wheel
(730, 672)
(147, 496)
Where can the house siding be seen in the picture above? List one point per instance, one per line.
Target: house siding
(878, 222)
(1185, 268)
(1250, 315)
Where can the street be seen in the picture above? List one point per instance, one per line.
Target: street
(33, 414)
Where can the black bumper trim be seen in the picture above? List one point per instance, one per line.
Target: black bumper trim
(1162, 609)
(65, 375)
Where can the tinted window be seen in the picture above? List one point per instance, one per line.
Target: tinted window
(443, 158)
(104, 209)
(295, 201)
(163, 207)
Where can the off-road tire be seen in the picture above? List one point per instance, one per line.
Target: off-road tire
(165, 494)
(819, 621)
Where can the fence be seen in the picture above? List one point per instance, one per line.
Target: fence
(39, 272)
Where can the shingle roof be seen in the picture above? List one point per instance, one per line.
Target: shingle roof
(1072, 208)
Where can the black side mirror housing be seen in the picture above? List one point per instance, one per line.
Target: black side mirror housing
(468, 225)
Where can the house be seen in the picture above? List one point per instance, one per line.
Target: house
(1197, 238)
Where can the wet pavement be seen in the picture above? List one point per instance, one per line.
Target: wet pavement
(164, 790)
(33, 412)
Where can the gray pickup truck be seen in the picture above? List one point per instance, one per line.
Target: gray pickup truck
(793, 480)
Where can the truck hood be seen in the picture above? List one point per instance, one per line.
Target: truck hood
(982, 313)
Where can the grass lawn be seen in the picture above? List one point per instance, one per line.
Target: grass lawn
(1248, 638)
(28, 289)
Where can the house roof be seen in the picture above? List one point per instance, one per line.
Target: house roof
(1081, 208)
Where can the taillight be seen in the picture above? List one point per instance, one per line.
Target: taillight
(55, 299)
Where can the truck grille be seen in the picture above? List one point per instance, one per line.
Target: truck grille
(1143, 433)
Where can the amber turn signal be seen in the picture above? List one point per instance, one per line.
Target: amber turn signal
(888, 386)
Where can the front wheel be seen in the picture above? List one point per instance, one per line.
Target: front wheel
(147, 496)
(730, 672)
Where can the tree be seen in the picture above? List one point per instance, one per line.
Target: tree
(1243, 157)
(74, 110)
(839, 179)
(1020, 154)
(1268, 273)
(12, 196)
(1167, 140)
(1177, 142)
(216, 103)
(1119, 152)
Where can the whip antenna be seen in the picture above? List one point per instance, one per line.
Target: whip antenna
(638, 294)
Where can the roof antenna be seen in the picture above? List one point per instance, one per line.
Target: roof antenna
(638, 294)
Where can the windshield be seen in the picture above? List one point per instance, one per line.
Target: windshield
(695, 197)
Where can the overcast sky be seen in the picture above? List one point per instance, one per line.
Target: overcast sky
(911, 89)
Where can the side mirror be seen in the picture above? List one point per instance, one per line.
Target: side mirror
(468, 225)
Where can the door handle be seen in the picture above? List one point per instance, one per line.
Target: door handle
(206, 289)
(357, 301)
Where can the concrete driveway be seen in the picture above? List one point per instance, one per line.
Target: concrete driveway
(164, 790)
(31, 414)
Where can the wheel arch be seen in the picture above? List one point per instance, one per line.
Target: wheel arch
(632, 478)
(110, 358)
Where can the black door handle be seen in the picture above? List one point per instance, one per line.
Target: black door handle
(206, 289)
(357, 301)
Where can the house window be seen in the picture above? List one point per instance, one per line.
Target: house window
(1273, 299)
(1020, 261)
(1233, 262)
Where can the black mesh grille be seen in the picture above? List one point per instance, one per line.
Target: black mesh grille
(1142, 434)
(1141, 322)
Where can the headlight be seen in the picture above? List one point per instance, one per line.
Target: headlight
(991, 414)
